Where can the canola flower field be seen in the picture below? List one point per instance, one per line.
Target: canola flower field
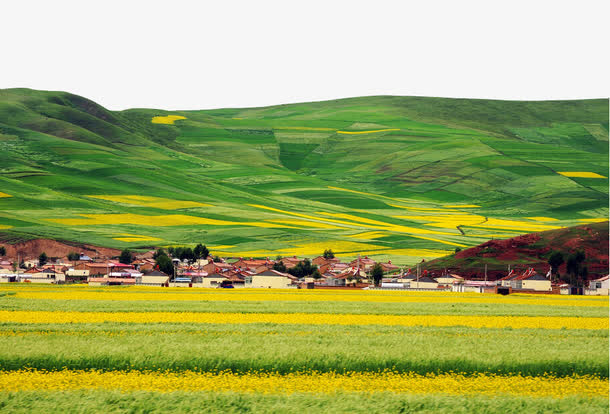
(158, 349)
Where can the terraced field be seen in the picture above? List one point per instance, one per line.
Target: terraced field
(398, 178)
(153, 349)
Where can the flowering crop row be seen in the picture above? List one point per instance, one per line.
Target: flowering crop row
(134, 294)
(545, 322)
(313, 382)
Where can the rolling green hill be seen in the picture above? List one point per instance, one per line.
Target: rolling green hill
(392, 177)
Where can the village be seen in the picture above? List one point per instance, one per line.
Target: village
(322, 272)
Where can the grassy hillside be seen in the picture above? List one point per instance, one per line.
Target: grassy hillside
(393, 177)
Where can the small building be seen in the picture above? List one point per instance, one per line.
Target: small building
(449, 279)
(154, 278)
(405, 278)
(424, 282)
(389, 267)
(110, 281)
(210, 281)
(273, 279)
(598, 286)
(506, 280)
(530, 280)
(332, 279)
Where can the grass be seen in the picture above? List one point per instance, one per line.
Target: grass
(283, 349)
(187, 402)
(290, 348)
(56, 149)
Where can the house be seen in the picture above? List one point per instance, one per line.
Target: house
(530, 280)
(95, 269)
(75, 275)
(423, 282)
(598, 286)
(506, 280)
(153, 278)
(406, 278)
(290, 262)
(210, 281)
(449, 279)
(273, 279)
(252, 263)
(36, 275)
(321, 260)
(352, 275)
(363, 263)
(389, 267)
(111, 281)
(332, 279)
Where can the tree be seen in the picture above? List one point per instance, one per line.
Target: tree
(377, 274)
(159, 252)
(200, 251)
(42, 259)
(457, 249)
(73, 256)
(126, 257)
(303, 268)
(555, 260)
(328, 254)
(2, 251)
(279, 266)
(187, 254)
(164, 263)
(217, 259)
(316, 274)
(574, 266)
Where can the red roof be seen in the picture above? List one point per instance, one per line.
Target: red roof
(120, 265)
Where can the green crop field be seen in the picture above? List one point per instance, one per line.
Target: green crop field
(426, 175)
(131, 349)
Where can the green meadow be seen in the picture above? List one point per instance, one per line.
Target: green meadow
(35, 349)
(401, 178)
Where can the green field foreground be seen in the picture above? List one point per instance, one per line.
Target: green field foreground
(157, 366)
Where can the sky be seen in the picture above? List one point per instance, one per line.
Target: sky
(213, 54)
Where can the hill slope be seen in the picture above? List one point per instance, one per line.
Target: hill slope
(394, 177)
(531, 250)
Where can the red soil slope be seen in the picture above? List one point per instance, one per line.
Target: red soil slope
(530, 250)
(31, 249)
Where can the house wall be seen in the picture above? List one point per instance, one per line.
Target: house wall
(37, 279)
(276, 282)
(423, 285)
(539, 285)
(77, 272)
(210, 282)
(446, 280)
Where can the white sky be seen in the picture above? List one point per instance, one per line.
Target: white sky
(196, 54)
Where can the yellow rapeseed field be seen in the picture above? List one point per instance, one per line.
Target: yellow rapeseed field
(127, 237)
(546, 322)
(161, 220)
(580, 174)
(152, 202)
(169, 119)
(312, 382)
(290, 295)
(4, 195)
(368, 132)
